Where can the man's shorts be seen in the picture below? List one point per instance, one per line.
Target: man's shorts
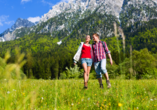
(100, 67)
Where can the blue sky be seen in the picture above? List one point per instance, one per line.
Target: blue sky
(11, 10)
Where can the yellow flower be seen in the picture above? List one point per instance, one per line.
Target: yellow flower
(119, 104)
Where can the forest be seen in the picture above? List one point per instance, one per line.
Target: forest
(47, 60)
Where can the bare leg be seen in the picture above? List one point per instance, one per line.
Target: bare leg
(107, 80)
(88, 71)
(106, 76)
(100, 80)
(85, 74)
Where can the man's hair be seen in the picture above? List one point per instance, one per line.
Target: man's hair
(96, 35)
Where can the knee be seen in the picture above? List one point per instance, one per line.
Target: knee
(98, 76)
(104, 70)
(85, 72)
(88, 72)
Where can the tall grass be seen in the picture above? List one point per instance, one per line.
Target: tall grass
(69, 94)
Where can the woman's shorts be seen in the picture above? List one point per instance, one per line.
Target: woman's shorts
(87, 61)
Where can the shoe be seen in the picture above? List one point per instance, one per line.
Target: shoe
(101, 86)
(108, 84)
(85, 87)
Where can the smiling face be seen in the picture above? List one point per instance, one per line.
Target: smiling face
(88, 38)
(95, 38)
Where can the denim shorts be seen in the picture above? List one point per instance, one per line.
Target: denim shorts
(87, 61)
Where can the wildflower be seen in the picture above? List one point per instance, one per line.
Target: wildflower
(8, 92)
(119, 104)
(72, 104)
(151, 99)
(42, 98)
(88, 98)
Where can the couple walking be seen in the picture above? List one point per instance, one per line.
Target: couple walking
(93, 53)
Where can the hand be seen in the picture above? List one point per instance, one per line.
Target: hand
(74, 63)
(111, 62)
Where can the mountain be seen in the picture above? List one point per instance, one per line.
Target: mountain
(10, 34)
(21, 23)
(66, 18)
(107, 6)
(137, 11)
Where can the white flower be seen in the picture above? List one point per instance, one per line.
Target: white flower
(72, 104)
(151, 99)
(88, 98)
(8, 92)
(42, 98)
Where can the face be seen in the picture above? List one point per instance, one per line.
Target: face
(88, 38)
(95, 37)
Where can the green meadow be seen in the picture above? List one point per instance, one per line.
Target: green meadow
(29, 94)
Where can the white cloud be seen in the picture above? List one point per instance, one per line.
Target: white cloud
(34, 19)
(9, 22)
(3, 18)
(48, 3)
(64, 1)
(1, 24)
(22, 1)
(51, 4)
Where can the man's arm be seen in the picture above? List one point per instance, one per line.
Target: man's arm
(109, 55)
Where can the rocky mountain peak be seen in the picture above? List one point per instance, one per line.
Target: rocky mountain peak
(22, 23)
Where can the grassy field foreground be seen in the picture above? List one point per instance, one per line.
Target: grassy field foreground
(70, 95)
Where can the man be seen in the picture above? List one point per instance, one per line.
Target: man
(100, 50)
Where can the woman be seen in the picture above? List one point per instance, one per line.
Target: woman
(85, 53)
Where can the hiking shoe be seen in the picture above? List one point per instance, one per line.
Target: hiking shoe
(108, 84)
(85, 87)
(101, 86)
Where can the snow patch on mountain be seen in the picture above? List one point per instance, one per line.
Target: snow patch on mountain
(59, 43)
(2, 39)
(34, 19)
